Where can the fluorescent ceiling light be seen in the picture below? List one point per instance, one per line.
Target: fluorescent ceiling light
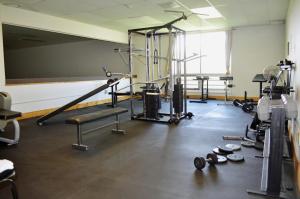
(208, 12)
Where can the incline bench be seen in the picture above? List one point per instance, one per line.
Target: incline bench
(90, 117)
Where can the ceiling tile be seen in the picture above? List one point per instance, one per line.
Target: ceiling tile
(120, 14)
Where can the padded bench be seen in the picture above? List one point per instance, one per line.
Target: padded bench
(79, 120)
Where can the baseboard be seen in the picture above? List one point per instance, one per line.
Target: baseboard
(104, 101)
(217, 97)
(77, 106)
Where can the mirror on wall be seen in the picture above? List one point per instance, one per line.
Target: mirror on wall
(33, 55)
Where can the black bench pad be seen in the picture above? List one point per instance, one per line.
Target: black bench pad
(7, 114)
(89, 117)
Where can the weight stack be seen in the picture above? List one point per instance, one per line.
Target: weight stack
(178, 98)
(152, 103)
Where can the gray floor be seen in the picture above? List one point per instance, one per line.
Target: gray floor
(152, 161)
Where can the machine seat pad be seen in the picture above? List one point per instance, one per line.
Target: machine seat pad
(7, 114)
(89, 117)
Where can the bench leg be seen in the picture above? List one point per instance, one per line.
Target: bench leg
(79, 144)
(117, 129)
(14, 190)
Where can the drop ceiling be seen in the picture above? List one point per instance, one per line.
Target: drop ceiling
(127, 14)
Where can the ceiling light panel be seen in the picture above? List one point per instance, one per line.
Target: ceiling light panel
(208, 12)
(194, 3)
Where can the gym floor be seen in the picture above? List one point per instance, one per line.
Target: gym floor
(152, 161)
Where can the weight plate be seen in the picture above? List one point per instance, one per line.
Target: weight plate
(234, 147)
(259, 146)
(199, 163)
(247, 108)
(110, 81)
(235, 157)
(221, 159)
(213, 158)
(218, 152)
(236, 102)
(247, 144)
(225, 149)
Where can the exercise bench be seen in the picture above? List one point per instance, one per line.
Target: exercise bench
(79, 120)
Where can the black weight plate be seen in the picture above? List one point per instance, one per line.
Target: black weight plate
(234, 147)
(221, 159)
(213, 158)
(225, 149)
(247, 144)
(236, 102)
(110, 81)
(218, 152)
(247, 108)
(235, 157)
(199, 163)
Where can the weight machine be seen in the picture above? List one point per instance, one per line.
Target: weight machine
(153, 40)
(278, 111)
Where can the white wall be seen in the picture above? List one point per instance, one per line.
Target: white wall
(293, 37)
(34, 97)
(253, 49)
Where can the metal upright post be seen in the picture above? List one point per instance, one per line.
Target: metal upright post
(184, 71)
(79, 135)
(130, 71)
(117, 122)
(171, 84)
(152, 55)
(147, 56)
(159, 72)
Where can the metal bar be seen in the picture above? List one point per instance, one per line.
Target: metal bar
(184, 72)
(156, 28)
(159, 72)
(147, 57)
(153, 60)
(171, 84)
(97, 128)
(79, 135)
(117, 122)
(130, 71)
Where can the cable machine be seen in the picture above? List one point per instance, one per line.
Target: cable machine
(154, 39)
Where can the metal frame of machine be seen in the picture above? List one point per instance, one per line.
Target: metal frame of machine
(278, 111)
(7, 116)
(176, 56)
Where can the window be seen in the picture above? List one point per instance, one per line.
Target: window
(211, 48)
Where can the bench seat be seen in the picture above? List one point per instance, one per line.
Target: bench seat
(90, 117)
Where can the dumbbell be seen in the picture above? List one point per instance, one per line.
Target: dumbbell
(246, 107)
(200, 162)
(189, 115)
